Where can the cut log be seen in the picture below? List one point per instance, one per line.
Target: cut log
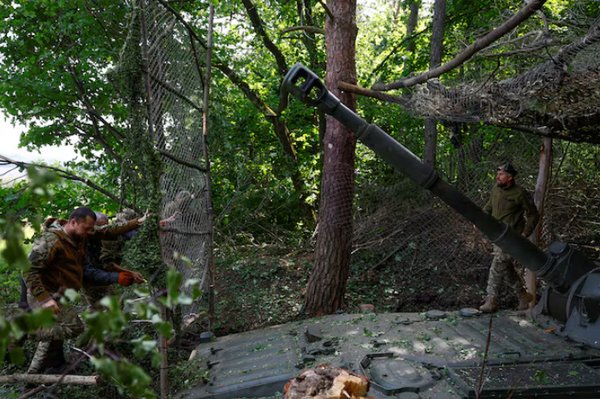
(50, 379)
(324, 382)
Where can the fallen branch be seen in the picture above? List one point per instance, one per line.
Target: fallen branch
(50, 379)
(530, 8)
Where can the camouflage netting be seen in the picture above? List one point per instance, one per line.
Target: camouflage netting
(162, 66)
(560, 97)
(421, 238)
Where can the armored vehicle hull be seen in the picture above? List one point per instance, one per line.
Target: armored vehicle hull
(407, 355)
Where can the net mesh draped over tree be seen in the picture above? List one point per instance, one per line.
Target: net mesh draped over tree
(422, 238)
(167, 113)
(559, 97)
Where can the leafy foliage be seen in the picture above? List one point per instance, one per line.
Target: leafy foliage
(59, 75)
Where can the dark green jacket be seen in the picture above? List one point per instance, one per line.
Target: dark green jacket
(514, 206)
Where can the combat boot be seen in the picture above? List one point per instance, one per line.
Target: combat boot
(525, 299)
(490, 305)
(56, 358)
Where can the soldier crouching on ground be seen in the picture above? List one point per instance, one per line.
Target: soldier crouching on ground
(58, 263)
(513, 205)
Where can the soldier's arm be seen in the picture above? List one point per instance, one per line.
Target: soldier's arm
(531, 213)
(42, 254)
(98, 276)
(113, 231)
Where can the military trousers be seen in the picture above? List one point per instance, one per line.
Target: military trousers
(502, 269)
(49, 351)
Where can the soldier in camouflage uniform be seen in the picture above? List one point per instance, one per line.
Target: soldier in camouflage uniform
(97, 257)
(511, 204)
(57, 263)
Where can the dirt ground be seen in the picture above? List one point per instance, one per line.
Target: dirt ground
(268, 286)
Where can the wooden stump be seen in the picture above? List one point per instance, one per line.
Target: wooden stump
(324, 382)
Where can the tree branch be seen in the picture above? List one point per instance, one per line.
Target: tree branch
(176, 92)
(350, 88)
(70, 176)
(327, 10)
(50, 379)
(182, 162)
(305, 28)
(90, 110)
(98, 137)
(273, 117)
(260, 30)
(479, 44)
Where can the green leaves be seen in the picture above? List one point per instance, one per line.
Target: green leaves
(175, 294)
(128, 377)
(36, 191)
(15, 329)
(107, 325)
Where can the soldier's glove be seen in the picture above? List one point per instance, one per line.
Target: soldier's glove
(125, 279)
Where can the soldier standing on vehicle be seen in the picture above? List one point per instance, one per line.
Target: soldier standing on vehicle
(58, 263)
(513, 205)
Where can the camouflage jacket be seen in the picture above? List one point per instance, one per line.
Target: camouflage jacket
(59, 262)
(514, 206)
(112, 252)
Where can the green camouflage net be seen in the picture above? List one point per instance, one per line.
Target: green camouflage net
(160, 72)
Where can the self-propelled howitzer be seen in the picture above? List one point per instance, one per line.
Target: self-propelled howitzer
(573, 293)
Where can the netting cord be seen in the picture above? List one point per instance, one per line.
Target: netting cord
(210, 268)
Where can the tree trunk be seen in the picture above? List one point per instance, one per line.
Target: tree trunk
(411, 25)
(539, 196)
(437, 39)
(327, 282)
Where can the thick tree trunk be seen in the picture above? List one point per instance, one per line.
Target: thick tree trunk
(539, 196)
(327, 282)
(437, 39)
(429, 152)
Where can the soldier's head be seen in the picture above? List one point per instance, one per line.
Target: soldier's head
(505, 175)
(126, 215)
(81, 223)
(183, 196)
(101, 219)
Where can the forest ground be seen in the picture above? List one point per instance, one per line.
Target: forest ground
(263, 285)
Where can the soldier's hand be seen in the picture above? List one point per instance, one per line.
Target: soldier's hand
(138, 278)
(50, 304)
